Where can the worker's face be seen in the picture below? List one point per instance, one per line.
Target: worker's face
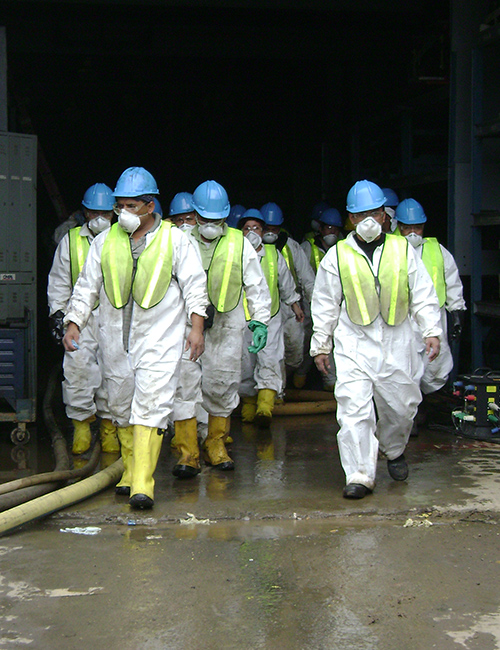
(274, 229)
(378, 214)
(325, 229)
(93, 214)
(186, 218)
(407, 228)
(252, 225)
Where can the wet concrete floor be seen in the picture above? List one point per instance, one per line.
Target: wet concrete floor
(269, 556)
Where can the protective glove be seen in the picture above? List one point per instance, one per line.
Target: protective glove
(56, 326)
(209, 320)
(457, 320)
(259, 336)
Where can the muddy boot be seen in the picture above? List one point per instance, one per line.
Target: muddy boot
(147, 447)
(109, 438)
(214, 449)
(186, 435)
(265, 405)
(82, 436)
(126, 438)
(248, 408)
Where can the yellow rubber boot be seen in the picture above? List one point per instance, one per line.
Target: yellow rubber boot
(248, 408)
(186, 435)
(109, 439)
(82, 436)
(126, 438)
(265, 406)
(299, 381)
(147, 447)
(214, 449)
(228, 438)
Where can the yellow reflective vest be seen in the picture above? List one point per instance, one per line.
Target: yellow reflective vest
(432, 257)
(152, 275)
(363, 302)
(225, 273)
(269, 264)
(288, 255)
(78, 250)
(316, 254)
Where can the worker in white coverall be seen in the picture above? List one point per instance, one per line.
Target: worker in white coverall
(303, 275)
(315, 248)
(390, 223)
(367, 288)
(262, 377)
(83, 391)
(232, 266)
(150, 277)
(444, 274)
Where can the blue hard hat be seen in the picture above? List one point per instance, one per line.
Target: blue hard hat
(272, 214)
(363, 196)
(410, 211)
(135, 181)
(318, 210)
(210, 201)
(391, 196)
(181, 203)
(331, 216)
(158, 208)
(251, 213)
(234, 215)
(99, 197)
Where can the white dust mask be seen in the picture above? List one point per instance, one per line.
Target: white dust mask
(129, 221)
(414, 239)
(186, 227)
(254, 238)
(98, 224)
(368, 229)
(269, 237)
(330, 240)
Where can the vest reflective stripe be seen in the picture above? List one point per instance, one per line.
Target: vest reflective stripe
(432, 257)
(154, 268)
(78, 251)
(225, 273)
(288, 255)
(316, 256)
(269, 265)
(363, 302)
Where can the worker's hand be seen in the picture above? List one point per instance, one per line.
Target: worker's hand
(71, 337)
(322, 363)
(56, 325)
(195, 340)
(259, 336)
(432, 347)
(299, 314)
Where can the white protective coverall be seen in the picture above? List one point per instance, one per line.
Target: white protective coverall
(141, 373)
(375, 363)
(436, 373)
(293, 331)
(263, 370)
(82, 383)
(329, 380)
(214, 379)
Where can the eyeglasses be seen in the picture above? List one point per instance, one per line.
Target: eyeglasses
(131, 207)
(369, 213)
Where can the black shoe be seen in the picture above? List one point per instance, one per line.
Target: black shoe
(227, 466)
(141, 502)
(355, 491)
(122, 490)
(185, 471)
(398, 468)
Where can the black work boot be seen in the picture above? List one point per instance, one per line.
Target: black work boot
(398, 468)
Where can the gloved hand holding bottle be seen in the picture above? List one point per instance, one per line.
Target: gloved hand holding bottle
(259, 336)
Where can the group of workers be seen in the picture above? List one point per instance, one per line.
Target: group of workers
(173, 319)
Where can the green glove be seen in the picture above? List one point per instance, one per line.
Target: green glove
(259, 336)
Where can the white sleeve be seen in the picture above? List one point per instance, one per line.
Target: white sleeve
(59, 286)
(88, 286)
(303, 268)
(454, 289)
(186, 266)
(286, 283)
(255, 285)
(325, 305)
(424, 303)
